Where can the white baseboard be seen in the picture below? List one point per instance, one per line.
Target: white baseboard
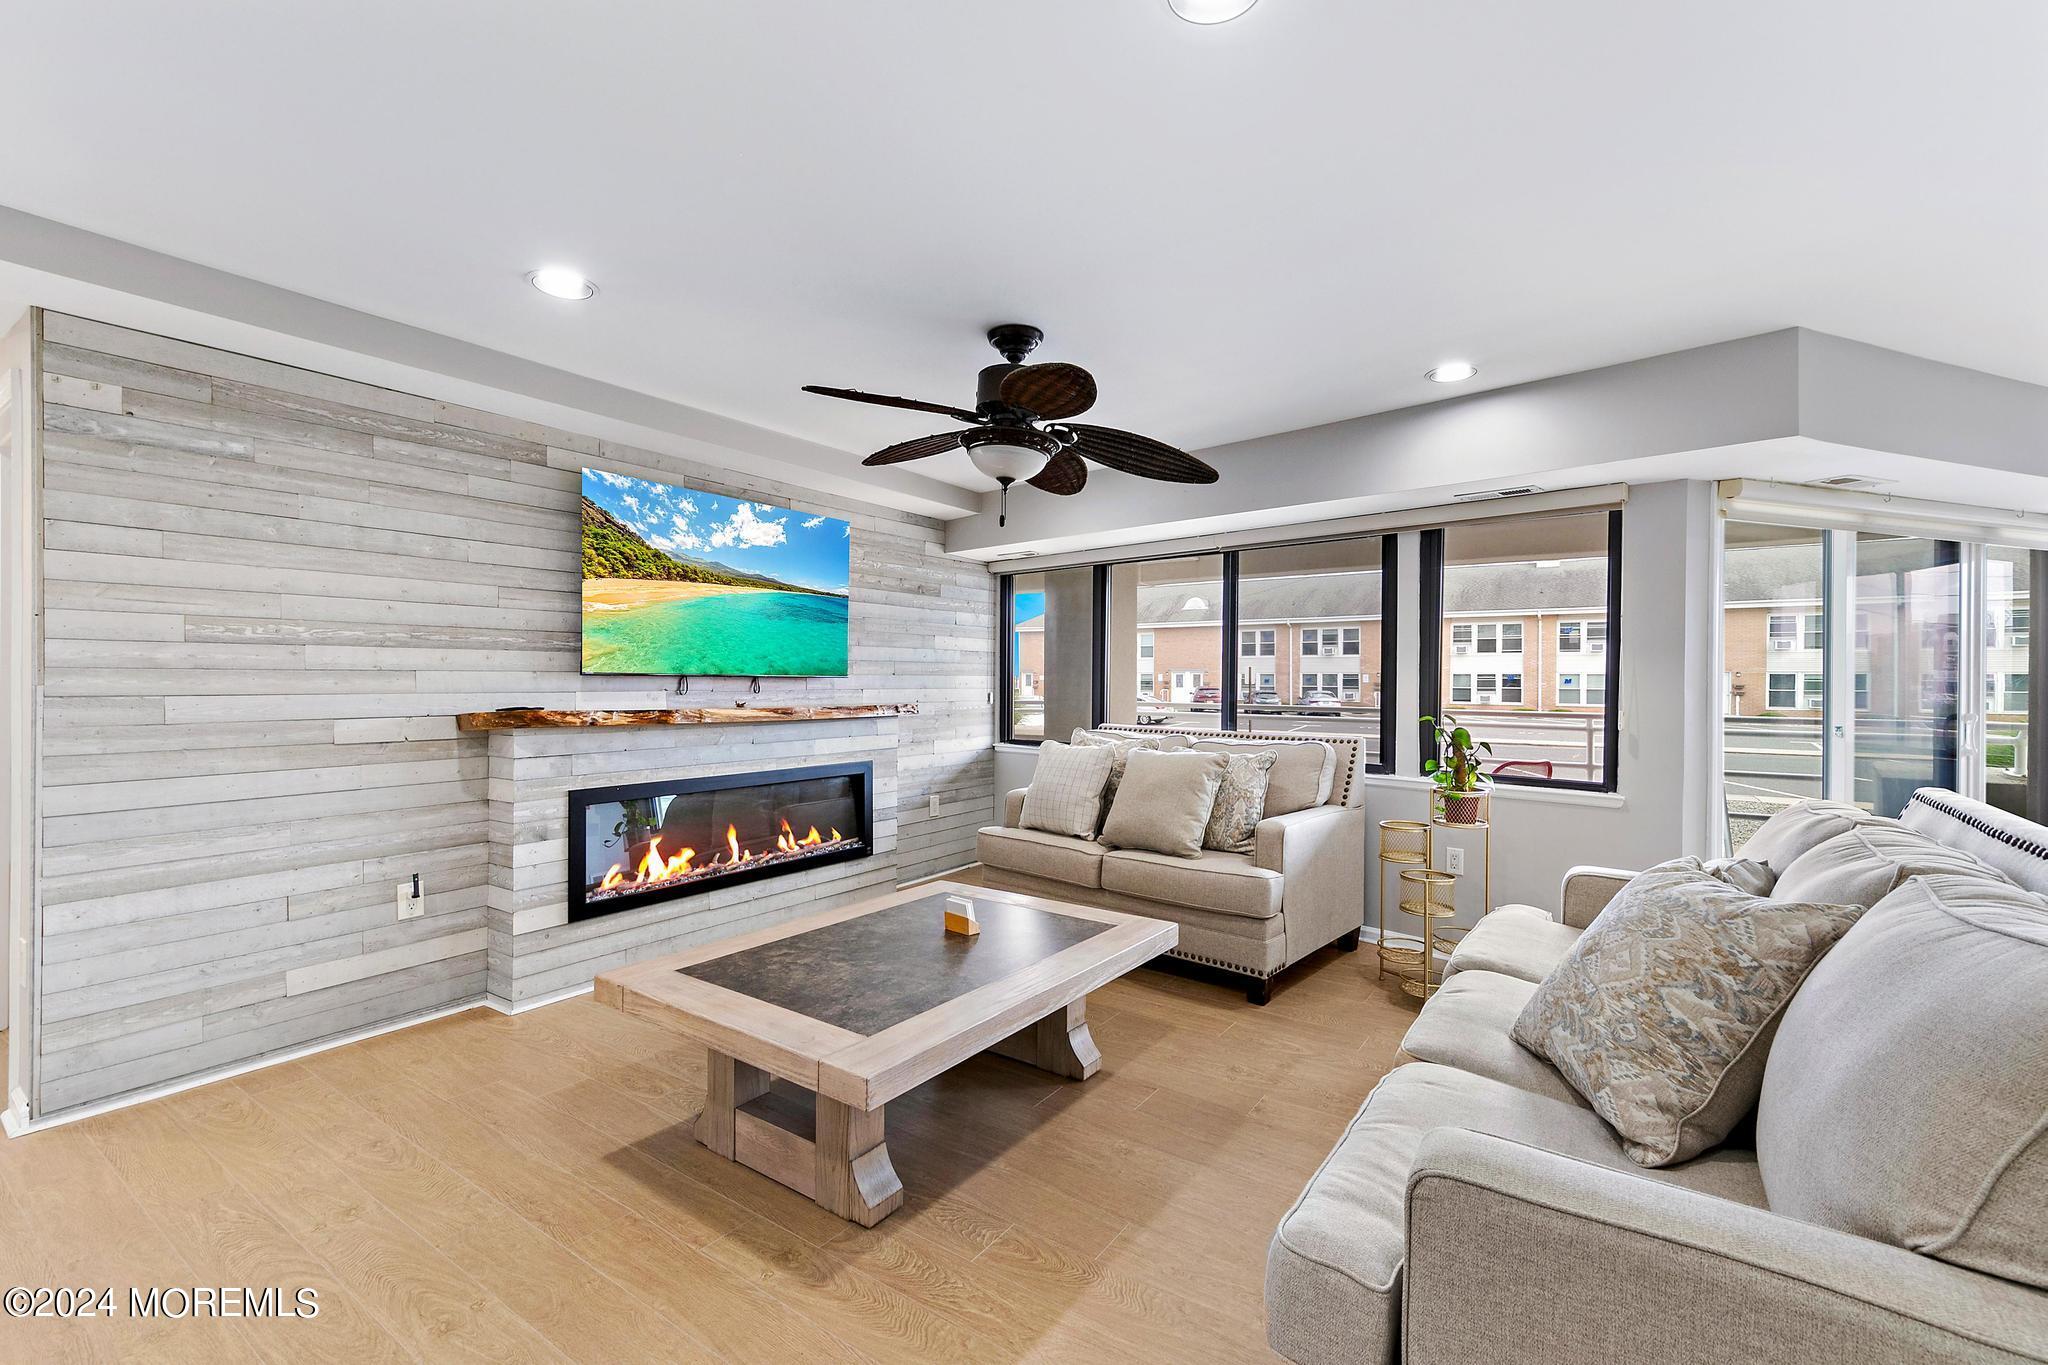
(504, 1006)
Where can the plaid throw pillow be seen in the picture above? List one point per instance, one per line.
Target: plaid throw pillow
(1065, 795)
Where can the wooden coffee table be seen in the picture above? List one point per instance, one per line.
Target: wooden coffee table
(852, 1007)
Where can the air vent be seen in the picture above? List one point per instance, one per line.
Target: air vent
(1852, 481)
(1488, 494)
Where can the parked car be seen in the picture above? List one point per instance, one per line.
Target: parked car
(1152, 711)
(1320, 701)
(1262, 696)
(1208, 696)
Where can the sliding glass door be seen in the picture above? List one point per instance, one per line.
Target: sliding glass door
(1863, 665)
(1908, 598)
(1774, 679)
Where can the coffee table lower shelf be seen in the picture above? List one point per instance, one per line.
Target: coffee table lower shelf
(833, 1153)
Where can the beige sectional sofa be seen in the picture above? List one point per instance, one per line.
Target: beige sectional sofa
(1477, 1209)
(1301, 888)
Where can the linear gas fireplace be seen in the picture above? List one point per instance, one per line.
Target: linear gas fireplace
(634, 845)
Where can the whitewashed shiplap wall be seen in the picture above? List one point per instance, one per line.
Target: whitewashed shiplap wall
(266, 593)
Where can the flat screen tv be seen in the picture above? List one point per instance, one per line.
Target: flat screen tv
(680, 581)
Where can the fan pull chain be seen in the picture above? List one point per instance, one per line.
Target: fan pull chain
(1003, 505)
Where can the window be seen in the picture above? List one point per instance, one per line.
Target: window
(1910, 736)
(1863, 630)
(1175, 607)
(2015, 692)
(1560, 568)
(1812, 691)
(1335, 581)
(1862, 691)
(1581, 689)
(1581, 637)
(1816, 631)
(1254, 644)
(1772, 755)
(2017, 630)
(1049, 641)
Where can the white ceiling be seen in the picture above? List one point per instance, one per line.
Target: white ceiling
(1242, 229)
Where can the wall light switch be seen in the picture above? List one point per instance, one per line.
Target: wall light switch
(411, 898)
(935, 806)
(1454, 861)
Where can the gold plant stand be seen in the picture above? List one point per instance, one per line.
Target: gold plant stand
(1403, 844)
(1473, 811)
(1437, 901)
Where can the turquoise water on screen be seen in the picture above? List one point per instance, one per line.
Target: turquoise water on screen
(748, 634)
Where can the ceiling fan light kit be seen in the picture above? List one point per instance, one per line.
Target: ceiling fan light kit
(1017, 431)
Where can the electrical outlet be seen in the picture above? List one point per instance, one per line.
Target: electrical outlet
(1454, 861)
(411, 898)
(934, 806)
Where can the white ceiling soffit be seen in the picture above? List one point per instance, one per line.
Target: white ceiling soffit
(1244, 228)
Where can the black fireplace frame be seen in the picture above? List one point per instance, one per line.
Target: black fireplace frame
(580, 801)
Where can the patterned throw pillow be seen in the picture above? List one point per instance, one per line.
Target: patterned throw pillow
(1663, 1012)
(1120, 748)
(1240, 802)
(1065, 795)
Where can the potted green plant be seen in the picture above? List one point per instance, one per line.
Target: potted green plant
(1455, 769)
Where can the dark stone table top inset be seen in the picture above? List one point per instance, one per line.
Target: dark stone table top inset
(871, 972)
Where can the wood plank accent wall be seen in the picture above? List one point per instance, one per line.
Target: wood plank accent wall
(267, 594)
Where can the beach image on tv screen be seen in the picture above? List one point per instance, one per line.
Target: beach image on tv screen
(679, 581)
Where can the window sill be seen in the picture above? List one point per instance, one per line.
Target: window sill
(1557, 796)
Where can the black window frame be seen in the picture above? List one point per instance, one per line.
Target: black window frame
(1432, 681)
(1390, 639)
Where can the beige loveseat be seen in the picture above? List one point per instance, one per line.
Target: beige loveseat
(1478, 1210)
(1254, 913)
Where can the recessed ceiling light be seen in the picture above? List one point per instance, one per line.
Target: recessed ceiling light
(560, 282)
(1453, 372)
(1210, 11)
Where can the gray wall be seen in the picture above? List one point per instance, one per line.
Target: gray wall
(267, 593)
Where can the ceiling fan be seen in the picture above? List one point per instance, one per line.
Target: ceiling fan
(1018, 429)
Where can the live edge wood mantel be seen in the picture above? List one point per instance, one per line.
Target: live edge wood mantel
(538, 718)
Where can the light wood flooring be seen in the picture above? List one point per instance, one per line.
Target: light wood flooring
(525, 1188)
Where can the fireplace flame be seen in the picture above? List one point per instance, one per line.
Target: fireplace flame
(655, 867)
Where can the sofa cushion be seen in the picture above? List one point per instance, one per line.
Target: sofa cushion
(1470, 1024)
(1799, 827)
(1240, 802)
(1333, 1269)
(1065, 795)
(1164, 801)
(1304, 771)
(1229, 883)
(1033, 852)
(2012, 845)
(1120, 747)
(1663, 1011)
(1515, 940)
(1863, 865)
(1906, 1098)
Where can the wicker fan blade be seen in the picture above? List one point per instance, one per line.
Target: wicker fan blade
(1141, 455)
(915, 450)
(1051, 391)
(1064, 473)
(914, 404)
